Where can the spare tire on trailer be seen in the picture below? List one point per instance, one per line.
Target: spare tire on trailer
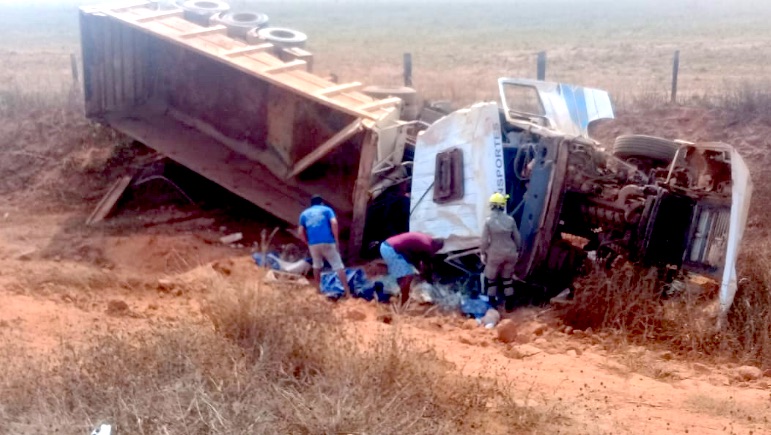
(278, 36)
(201, 11)
(645, 147)
(409, 97)
(239, 23)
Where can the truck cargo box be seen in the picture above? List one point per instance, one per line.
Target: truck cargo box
(247, 115)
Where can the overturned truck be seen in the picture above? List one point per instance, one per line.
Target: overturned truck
(244, 111)
(676, 205)
(240, 106)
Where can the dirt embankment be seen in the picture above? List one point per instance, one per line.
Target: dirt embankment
(64, 283)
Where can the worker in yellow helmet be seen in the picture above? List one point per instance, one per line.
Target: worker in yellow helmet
(500, 250)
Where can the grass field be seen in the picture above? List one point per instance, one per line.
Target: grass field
(461, 48)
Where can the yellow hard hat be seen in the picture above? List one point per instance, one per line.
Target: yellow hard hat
(498, 199)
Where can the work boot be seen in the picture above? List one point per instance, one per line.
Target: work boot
(509, 304)
(508, 292)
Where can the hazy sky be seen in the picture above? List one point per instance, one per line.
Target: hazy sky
(701, 3)
(641, 8)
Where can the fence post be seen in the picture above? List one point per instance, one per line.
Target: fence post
(675, 70)
(75, 76)
(408, 69)
(541, 65)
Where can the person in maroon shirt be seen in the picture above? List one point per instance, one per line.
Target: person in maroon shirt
(404, 252)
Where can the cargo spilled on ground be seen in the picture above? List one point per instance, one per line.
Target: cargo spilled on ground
(61, 166)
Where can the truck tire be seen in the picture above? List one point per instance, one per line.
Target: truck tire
(201, 11)
(239, 23)
(646, 147)
(281, 36)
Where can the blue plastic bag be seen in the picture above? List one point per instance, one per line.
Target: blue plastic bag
(475, 308)
(361, 287)
(271, 260)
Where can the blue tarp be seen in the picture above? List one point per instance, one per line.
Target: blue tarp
(271, 260)
(476, 307)
(357, 280)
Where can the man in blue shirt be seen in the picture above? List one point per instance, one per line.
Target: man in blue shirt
(318, 228)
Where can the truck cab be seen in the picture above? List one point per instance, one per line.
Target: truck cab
(657, 202)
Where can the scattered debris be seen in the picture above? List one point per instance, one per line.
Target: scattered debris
(474, 307)
(274, 261)
(104, 429)
(361, 286)
(231, 238)
(446, 296)
(491, 318)
(277, 276)
(562, 299)
(108, 201)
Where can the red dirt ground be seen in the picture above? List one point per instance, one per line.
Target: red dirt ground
(62, 282)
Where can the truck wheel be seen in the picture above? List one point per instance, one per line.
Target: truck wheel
(645, 147)
(239, 23)
(201, 11)
(281, 36)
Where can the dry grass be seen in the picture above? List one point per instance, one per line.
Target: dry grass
(272, 363)
(632, 303)
(748, 100)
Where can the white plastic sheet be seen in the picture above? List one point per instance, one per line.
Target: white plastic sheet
(477, 132)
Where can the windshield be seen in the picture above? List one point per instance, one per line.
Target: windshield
(522, 99)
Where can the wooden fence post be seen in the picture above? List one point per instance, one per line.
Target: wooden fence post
(541, 66)
(408, 69)
(675, 70)
(75, 75)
